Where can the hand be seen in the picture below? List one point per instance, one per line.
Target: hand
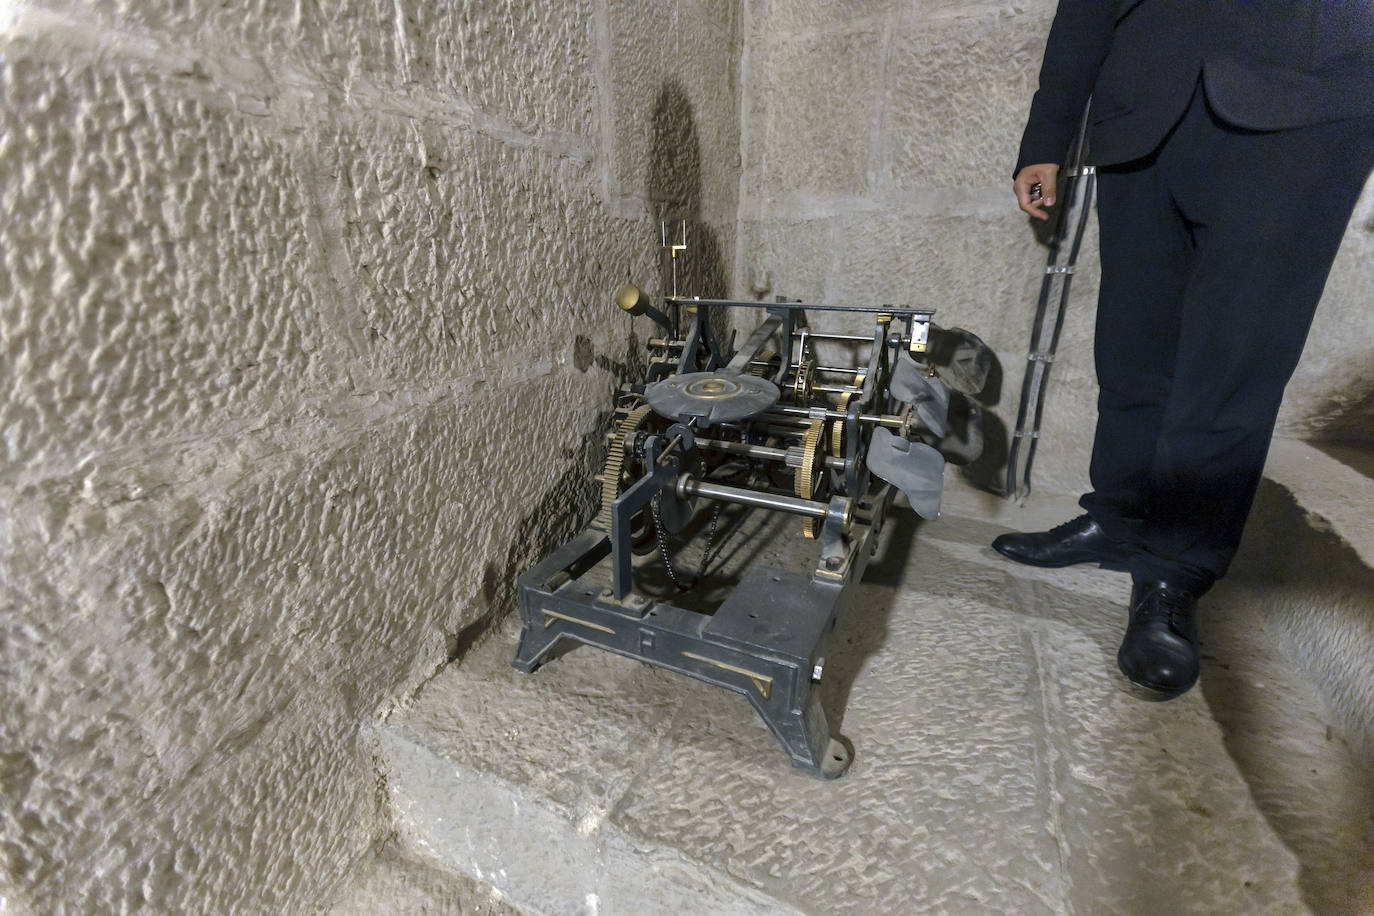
(1045, 174)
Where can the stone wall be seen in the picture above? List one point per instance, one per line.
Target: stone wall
(878, 140)
(306, 343)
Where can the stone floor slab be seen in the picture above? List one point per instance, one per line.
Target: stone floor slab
(1000, 765)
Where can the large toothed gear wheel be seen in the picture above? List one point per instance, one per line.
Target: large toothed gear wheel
(811, 475)
(612, 475)
(837, 426)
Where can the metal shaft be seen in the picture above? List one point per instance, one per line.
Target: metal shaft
(759, 451)
(809, 413)
(690, 486)
(856, 338)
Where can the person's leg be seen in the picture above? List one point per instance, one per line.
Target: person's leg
(1146, 250)
(1268, 212)
(1146, 254)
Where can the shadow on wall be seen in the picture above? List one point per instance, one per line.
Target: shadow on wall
(674, 192)
(1350, 418)
(674, 185)
(1298, 577)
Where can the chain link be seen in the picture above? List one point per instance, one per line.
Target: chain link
(654, 506)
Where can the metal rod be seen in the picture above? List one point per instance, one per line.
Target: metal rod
(672, 444)
(690, 486)
(892, 340)
(806, 412)
(850, 371)
(760, 451)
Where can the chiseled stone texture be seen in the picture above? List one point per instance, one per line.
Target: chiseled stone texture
(675, 68)
(957, 90)
(521, 65)
(307, 351)
(159, 283)
(1000, 765)
(811, 110)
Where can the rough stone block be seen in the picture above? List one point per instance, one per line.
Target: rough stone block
(528, 63)
(810, 113)
(675, 90)
(404, 884)
(958, 93)
(794, 258)
(160, 283)
(350, 38)
(466, 254)
(305, 316)
(207, 632)
(769, 18)
(525, 66)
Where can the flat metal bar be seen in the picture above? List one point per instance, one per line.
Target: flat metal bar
(760, 336)
(622, 512)
(801, 306)
(689, 350)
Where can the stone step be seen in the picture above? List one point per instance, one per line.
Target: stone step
(1000, 765)
(399, 882)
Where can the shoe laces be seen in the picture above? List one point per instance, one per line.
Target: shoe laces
(1067, 528)
(1164, 604)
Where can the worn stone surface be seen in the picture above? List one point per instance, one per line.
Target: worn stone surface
(1000, 766)
(1318, 591)
(307, 347)
(401, 884)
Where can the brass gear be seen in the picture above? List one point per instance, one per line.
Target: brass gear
(615, 464)
(762, 371)
(837, 426)
(801, 387)
(811, 472)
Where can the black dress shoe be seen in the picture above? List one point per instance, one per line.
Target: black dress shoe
(1077, 541)
(1160, 651)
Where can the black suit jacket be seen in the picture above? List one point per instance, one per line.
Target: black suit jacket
(1265, 65)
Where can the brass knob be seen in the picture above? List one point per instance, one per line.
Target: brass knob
(631, 298)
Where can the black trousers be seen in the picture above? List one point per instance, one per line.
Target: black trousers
(1215, 250)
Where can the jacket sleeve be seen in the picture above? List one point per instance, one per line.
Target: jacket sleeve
(1079, 40)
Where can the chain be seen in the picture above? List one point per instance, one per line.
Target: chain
(710, 539)
(661, 534)
(663, 541)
